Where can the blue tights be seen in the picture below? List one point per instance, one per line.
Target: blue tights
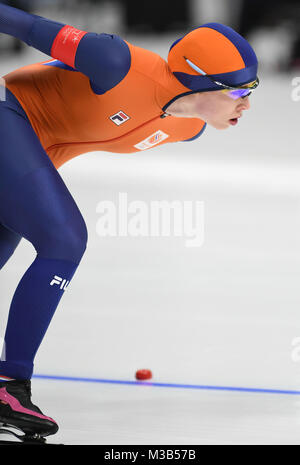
(35, 204)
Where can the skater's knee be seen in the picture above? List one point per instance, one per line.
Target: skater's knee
(74, 242)
(66, 242)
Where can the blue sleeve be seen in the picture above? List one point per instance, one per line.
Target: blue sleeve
(19, 24)
(104, 58)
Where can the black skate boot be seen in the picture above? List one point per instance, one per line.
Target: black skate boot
(17, 411)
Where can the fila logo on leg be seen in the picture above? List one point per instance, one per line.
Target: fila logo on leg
(62, 283)
(119, 118)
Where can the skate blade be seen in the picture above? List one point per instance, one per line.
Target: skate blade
(21, 438)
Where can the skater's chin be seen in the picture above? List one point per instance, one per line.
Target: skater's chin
(219, 125)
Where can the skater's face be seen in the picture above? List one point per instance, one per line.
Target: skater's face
(219, 110)
(216, 108)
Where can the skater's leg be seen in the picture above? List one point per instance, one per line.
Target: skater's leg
(9, 241)
(36, 204)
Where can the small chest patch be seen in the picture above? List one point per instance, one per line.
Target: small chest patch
(152, 140)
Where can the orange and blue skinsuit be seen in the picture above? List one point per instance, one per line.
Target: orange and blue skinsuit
(97, 93)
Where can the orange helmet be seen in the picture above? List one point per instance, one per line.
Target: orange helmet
(216, 51)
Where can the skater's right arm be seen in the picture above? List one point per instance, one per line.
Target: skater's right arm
(104, 58)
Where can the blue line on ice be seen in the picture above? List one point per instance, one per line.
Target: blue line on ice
(168, 385)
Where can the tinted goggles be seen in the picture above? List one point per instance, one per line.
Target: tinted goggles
(240, 92)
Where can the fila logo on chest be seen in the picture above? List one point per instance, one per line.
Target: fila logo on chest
(119, 118)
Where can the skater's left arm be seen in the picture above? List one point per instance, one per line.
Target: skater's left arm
(104, 58)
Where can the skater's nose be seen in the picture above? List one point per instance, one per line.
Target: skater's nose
(245, 104)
